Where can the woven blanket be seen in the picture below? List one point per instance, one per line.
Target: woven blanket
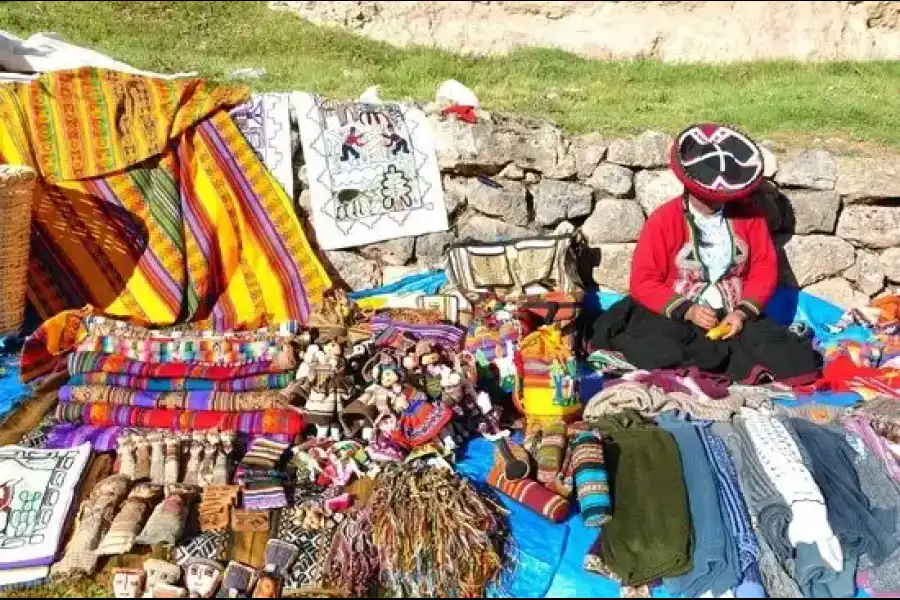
(183, 384)
(256, 422)
(196, 400)
(96, 362)
(198, 351)
(449, 336)
(265, 120)
(152, 207)
(373, 171)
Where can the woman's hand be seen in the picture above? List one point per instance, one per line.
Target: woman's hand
(701, 316)
(735, 321)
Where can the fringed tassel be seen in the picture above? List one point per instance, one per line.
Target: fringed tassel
(351, 564)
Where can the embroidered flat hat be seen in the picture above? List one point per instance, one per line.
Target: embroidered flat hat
(717, 163)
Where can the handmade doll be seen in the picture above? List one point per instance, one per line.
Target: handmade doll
(237, 581)
(157, 458)
(131, 518)
(419, 421)
(192, 470)
(125, 451)
(166, 523)
(323, 380)
(173, 459)
(361, 415)
(94, 517)
(280, 555)
(127, 583)
(159, 572)
(221, 468)
(142, 458)
(207, 463)
(202, 577)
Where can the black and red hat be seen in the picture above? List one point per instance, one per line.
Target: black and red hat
(717, 163)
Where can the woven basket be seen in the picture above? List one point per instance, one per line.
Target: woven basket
(17, 184)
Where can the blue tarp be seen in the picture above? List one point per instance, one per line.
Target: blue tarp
(549, 557)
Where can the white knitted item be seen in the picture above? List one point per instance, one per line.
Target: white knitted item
(781, 460)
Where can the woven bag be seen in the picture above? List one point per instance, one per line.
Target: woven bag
(17, 184)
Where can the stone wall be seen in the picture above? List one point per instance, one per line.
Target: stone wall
(835, 220)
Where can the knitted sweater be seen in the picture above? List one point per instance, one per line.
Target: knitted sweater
(781, 460)
(667, 273)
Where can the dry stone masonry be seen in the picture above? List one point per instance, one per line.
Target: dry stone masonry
(835, 220)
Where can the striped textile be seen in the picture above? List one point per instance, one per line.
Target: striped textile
(198, 400)
(449, 336)
(255, 422)
(731, 500)
(551, 453)
(151, 206)
(185, 350)
(181, 384)
(591, 479)
(530, 494)
(264, 453)
(80, 363)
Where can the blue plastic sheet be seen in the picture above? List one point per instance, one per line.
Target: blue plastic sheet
(425, 283)
(12, 391)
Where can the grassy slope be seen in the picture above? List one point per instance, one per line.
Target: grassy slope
(851, 101)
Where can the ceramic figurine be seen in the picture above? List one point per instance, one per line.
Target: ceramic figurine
(202, 577)
(127, 583)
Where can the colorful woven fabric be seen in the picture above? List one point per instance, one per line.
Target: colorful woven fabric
(256, 422)
(181, 384)
(449, 336)
(421, 422)
(551, 452)
(69, 435)
(80, 363)
(152, 206)
(199, 400)
(591, 478)
(215, 351)
(530, 493)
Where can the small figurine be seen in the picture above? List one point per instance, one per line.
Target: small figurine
(157, 458)
(159, 572)
(125, 449)
(421, 422)
(202, 577)
(127, 583)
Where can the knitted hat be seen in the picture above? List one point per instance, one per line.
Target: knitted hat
(717, 163)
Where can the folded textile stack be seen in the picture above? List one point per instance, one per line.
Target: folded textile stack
(181, 378)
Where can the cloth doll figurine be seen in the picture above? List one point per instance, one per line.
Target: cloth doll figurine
(159, 572)
(237, 581)
(124, 529)
(125, 451)
(157, 458)
(94, 517)
(192, 471)
(127, 583)
(142, 458)
(173, 459)
(207, 463)
(323, 380)
(421, 422)
(221, 468)
(202, 577)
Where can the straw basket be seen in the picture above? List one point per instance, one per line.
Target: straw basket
(17, 185)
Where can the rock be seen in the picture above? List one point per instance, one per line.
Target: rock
(558, 200)
(890, 263)
(589, 150)
(357, 272)
(614, 269)
(512, 172)
(455, 193)
(248, 73)
(770, 162)
(481, 228)
(867, 273)
(432, 248)
(649, 150)
(391, 275)
(654, 188)
(613, 221)
(872, 226)
(302, 175)
(839, 292)
(613, 180)
(531, 177)
(490, 145)
(808, 259)
(508, 202)
(396, 252)
(564, 228)
(814, 169)
(564, 168)
(813, 211)
(768, 199)
(868, 179)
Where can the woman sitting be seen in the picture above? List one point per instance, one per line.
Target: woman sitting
(705, 264)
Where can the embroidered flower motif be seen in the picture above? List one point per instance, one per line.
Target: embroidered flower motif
(396, 190)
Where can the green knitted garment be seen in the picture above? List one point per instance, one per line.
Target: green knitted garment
(649, 534)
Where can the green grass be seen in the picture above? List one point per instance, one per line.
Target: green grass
(787, 101)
